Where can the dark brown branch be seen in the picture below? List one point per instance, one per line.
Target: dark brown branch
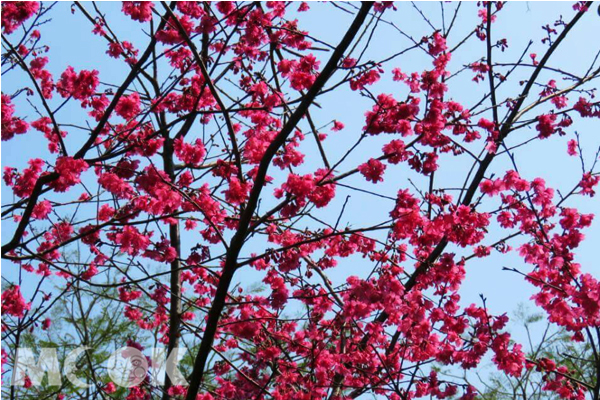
(424, 266)
(211, 87)
(238, 240)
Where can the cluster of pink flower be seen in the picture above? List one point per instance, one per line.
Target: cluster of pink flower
(13, 302)
(11, 125)
(15, 13)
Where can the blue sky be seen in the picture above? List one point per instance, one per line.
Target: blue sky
(72, 43)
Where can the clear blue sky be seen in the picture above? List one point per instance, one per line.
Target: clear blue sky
(72, 43)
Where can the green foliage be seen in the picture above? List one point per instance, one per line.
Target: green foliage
(543, 341)
(79, 319)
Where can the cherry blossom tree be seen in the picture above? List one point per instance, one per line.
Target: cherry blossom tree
(203, 155)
